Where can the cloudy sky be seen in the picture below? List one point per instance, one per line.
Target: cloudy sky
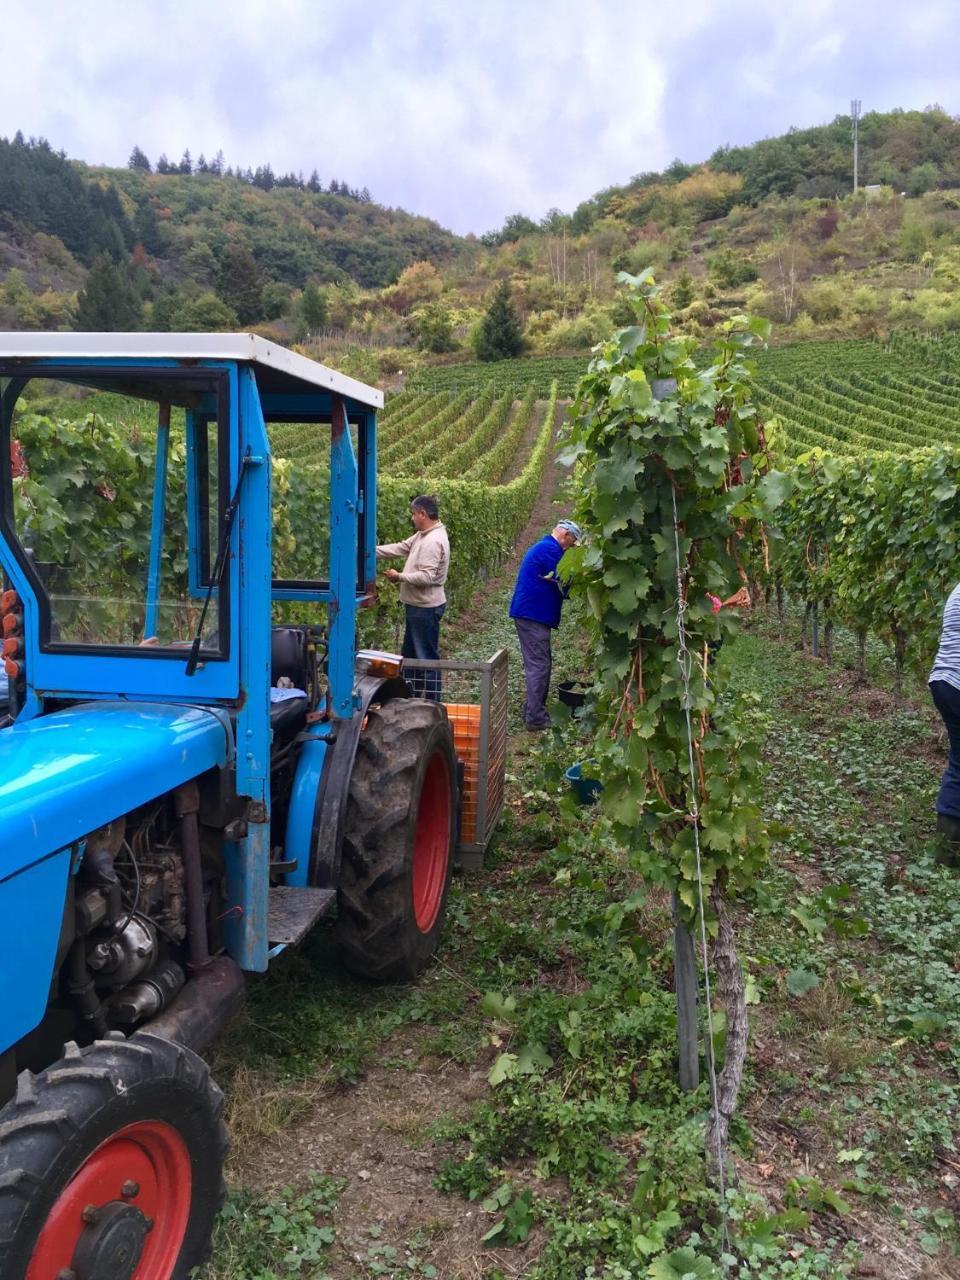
(465, 112)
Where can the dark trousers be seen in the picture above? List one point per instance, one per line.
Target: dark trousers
(534, 640)
(421, 639)
(946, 699)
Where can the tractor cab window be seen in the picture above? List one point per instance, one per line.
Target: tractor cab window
(105, 473)
(301, 481)
(301, 484)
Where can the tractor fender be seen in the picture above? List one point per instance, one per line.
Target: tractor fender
(68, 773)
(319, 797)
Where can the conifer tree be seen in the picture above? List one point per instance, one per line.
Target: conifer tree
(139, 160)
(240, 283)
(683, 293)
(108, 301)
(500, 335)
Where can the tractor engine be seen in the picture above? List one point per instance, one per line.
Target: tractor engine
(128, 957)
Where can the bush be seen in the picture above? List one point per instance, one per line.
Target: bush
(205, 314)
(729, 270)
(825, 301)
(761, 301)
(647, 253)
(433, 325)
(391, 361)
(578, 332)
(913, 241)
(419, 282)
(864, 301)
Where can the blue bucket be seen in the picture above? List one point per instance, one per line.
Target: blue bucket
(586, 789)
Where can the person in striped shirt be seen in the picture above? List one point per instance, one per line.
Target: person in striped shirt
(945, 690)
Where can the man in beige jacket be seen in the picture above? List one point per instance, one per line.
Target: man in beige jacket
(421, 581)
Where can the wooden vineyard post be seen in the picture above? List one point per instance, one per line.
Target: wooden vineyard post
(685, 983)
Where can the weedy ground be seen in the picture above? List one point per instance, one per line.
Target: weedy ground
(517, 1113)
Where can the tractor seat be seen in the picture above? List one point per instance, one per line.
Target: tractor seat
(288, 715)
(288, 707)
(289, 657)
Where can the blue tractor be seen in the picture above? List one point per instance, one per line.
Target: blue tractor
(185, 787)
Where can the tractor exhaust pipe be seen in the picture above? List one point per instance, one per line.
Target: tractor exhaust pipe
(204, 1006)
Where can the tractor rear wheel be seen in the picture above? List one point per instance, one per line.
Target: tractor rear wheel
(111, 1164)
(399, 834)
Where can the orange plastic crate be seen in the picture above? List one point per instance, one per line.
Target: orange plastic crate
(465, 721)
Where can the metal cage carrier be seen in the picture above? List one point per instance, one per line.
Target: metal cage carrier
(475, 696)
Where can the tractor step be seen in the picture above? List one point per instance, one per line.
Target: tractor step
(292, 911)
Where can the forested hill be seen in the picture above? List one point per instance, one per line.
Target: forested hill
(910, 151)
(773, 228)
(181, 218)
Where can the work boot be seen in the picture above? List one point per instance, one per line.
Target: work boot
(948, 840)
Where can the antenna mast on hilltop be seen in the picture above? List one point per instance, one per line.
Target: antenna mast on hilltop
(855, 118)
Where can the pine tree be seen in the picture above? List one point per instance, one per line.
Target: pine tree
(139, 160)
(500, 336)
(683, 293)
(240, 283)
(314, 184)
(108, 301)
(186, 164)
(164, 165)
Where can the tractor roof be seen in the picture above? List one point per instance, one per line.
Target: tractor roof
(277, 368)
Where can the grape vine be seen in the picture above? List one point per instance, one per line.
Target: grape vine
(683, 473)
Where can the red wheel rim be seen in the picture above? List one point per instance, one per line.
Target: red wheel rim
(150, 1154)
(431, 843)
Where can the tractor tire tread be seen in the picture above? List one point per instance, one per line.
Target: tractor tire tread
(375, 934)
(52, 1108)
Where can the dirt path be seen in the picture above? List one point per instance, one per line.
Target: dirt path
(390, 1219)
(373, 1135)
(519, 459)
(547, 510)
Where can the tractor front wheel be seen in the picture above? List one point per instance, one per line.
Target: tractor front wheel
(111, 1164)
(399, 835)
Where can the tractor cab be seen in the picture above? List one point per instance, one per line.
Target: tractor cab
(187, 784)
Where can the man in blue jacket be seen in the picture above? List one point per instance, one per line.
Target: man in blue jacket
(535, 609)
